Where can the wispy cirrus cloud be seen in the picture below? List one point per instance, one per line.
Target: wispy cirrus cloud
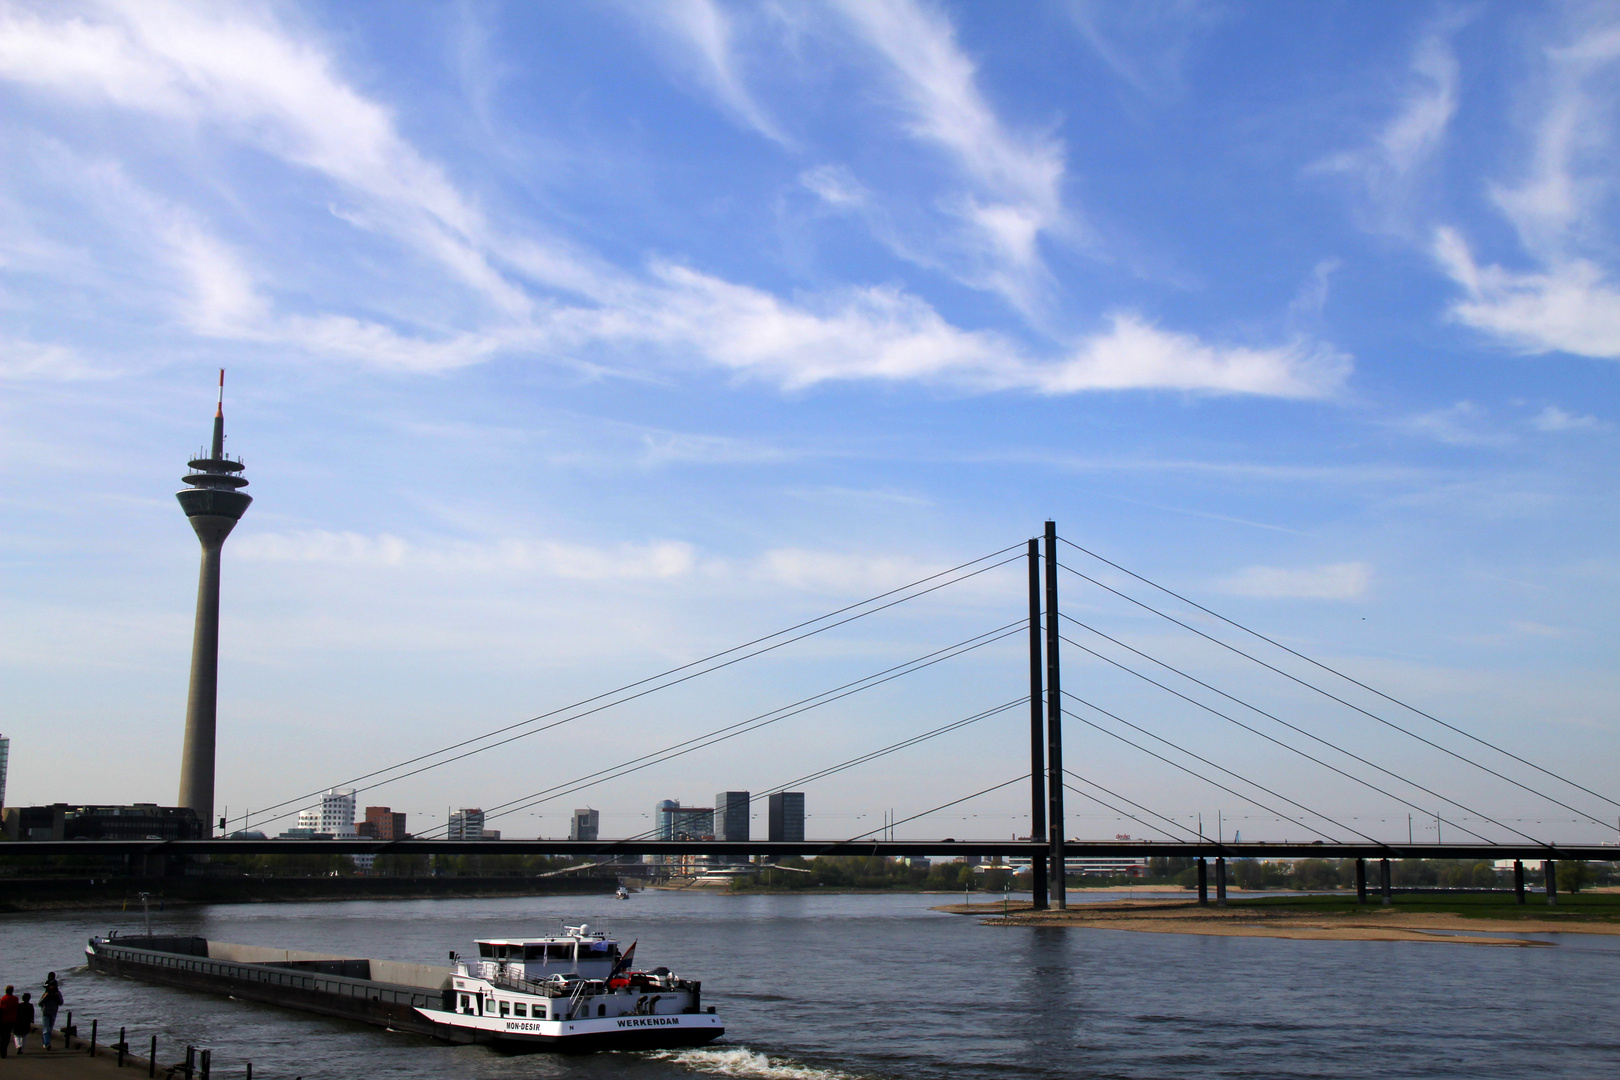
(241, 74)
(1335, 581)
(1146, 43)
(708, 32)
(1568, 300)
(638, 562)
(1390, 168)
(1014, 195)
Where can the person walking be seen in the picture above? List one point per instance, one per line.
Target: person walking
(49, 1003)
(25, 1021)
(8, 1018)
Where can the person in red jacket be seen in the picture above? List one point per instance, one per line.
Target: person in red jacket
(8, 1018)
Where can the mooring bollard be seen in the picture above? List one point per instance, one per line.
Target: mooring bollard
(93, 1024)
(250, 1071)
(120, 1048)
(191, 1061)
(151, 1058)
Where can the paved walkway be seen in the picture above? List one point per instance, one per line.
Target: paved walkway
(70, 1063)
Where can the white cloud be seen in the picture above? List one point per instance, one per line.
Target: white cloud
(636, 562)
(1390, 167)
(1017, 177)
(835, 185)
(239, 72)
(1569, 301)
(708, 32)
(1144, 43)
(1134, 353)
(1462, 424)
(23, 359)
(886, 335)
(1569, 307)
(1336, 581)
(1552, 418)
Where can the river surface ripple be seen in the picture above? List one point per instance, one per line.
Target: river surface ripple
(877, 987)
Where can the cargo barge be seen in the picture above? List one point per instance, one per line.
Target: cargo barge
(571, 992)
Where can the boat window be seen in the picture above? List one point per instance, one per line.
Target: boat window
(489, 1006)
(534, 952)
(559, 952)
(520, 1009)
(505, 1008)
(486, 950)
(466, 1002)
(601, 1010)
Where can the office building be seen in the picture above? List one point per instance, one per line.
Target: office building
(731, 815)
(335, 815)
(5, 758)
(141, 821)
(785, 816)
(382, 823)
(466, 824)
(213, 503)
(585, 825)
(677, 822)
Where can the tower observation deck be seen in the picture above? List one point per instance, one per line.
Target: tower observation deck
(213, 502)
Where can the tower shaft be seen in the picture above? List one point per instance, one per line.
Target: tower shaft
(197, 757)
(213, 503)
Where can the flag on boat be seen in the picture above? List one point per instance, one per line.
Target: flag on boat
(622, 966)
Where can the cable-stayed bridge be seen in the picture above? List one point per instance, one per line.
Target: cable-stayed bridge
(1043, 706)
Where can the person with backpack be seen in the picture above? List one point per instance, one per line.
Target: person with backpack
(25, 1021)
(49, 1003)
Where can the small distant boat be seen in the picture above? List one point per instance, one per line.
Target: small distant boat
(622, 893)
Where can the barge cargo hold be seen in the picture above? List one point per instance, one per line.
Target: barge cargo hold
(422, 999)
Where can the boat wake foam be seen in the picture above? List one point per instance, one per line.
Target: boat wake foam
(741, 1061)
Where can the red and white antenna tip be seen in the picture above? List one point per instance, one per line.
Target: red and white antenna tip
(220, 408)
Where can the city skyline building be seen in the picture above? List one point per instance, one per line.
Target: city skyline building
(586, 825)
(333, 817)
(677, 822)
(5, 762)
(382, 823)
(785, 816)
(731, 815)
(213, 504)
(466, 824)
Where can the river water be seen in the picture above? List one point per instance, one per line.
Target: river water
(878, 987)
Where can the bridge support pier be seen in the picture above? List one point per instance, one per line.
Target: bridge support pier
(1361, 881)
(1203, 881)
(1383, 880)
(1518, 879)
(1220, 881)
(1037, 734)
(1549, 869)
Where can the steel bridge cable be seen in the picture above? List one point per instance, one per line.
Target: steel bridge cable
(1291, 727)
(1117, 810)
(866, 682)
(1139, 806)
(1021, 778)
(549, 794)
(718, 735)
(1334, 697)
(944, 729)
(664, 674)
(1334, 671)
(1211, 764)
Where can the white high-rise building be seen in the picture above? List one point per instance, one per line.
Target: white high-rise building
(335, 815)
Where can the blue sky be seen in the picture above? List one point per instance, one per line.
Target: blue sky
(570, 342)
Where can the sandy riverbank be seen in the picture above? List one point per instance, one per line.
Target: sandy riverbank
(1171, 917)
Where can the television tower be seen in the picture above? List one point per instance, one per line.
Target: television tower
(213, 504)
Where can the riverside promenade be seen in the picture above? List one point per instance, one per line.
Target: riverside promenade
(72, 1060)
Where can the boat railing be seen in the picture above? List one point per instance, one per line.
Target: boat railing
(339, 985)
